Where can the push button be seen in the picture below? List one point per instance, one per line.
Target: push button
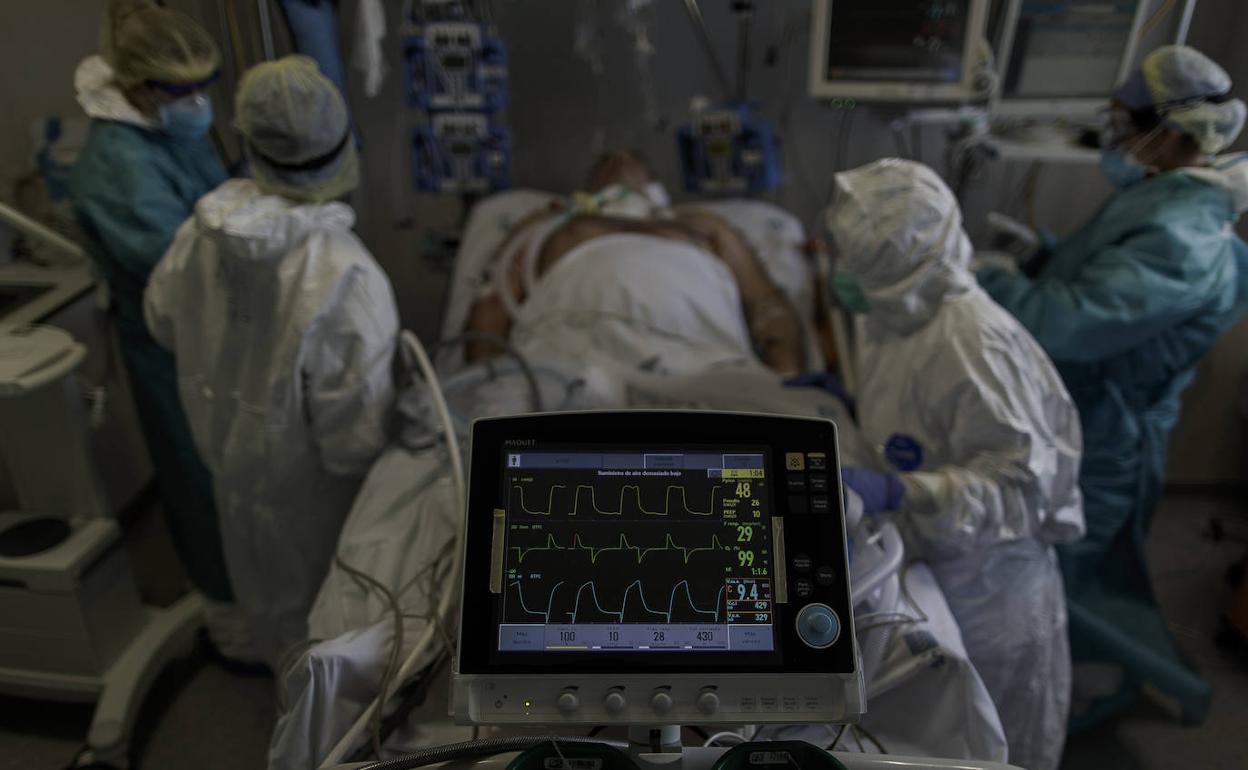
(817, 461)
(820, 504)
(802, 562)
(818, 482)
(798, 504)
(803, 588)
(818, 626)
(797, 483)
(794, 461)
(825, 576)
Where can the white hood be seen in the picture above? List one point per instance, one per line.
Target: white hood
(1230, 173)
(101, 98)
(898, 229)
(251, 225)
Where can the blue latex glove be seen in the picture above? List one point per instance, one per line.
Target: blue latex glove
(880, 492)
(828, 382)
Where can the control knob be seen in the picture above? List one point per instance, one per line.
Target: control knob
(708, 701)
(568, 702)
(661, 702)
(614, 702)
(818, 626)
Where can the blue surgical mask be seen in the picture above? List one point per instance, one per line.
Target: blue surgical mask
(848, 293)
(1121, 167)
(187, 118)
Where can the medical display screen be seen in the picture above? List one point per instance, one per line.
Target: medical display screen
(636, 550)
(898, 40)
(1068, 49)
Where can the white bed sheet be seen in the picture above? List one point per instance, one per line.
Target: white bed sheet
(776, 236)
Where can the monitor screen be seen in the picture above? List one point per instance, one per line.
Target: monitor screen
(1072, 49)
(897, 40)
(637, 550)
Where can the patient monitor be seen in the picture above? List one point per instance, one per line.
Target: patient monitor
(1061, 59)
(655, 568)
(899, 51)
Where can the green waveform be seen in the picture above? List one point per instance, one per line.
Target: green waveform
(593, 500)
(578, 545)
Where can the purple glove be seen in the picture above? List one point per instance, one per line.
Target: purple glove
(880, 492)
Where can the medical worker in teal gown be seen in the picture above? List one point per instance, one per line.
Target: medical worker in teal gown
(146, 161)
(1126, 307)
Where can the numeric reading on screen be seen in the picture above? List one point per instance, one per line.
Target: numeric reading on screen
(637, 549)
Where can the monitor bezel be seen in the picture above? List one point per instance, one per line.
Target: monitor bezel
(477, 648)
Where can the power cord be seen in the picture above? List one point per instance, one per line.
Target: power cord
(412, 346)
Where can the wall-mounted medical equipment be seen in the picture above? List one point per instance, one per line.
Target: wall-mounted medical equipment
(637, 568)
(1063, 59)
(456, 66)
(900, 51)
(456, 71)
(728, 151)
(461, 152)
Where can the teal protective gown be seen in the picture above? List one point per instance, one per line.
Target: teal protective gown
(132, 187)
(1126, 307)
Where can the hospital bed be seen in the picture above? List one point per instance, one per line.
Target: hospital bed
(404, 522)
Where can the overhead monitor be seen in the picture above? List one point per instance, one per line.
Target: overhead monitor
(647, 567)
(897, 50)
(1063, 59)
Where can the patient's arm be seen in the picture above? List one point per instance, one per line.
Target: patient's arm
(488, 314)
(774, 325)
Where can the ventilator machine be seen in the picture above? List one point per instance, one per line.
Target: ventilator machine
(644, 570)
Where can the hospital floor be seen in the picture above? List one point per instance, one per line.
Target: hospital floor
(201, 716)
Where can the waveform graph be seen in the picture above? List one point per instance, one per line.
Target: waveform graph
(600, 602)
(641, 551)
(678, 496)
(623, 546)
(609, 571)
(603, 583)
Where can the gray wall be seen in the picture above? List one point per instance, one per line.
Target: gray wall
(559, 107)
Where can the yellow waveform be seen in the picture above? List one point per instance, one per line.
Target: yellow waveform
(577, 544)
(593, 500)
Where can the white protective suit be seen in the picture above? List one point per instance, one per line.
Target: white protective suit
(957, 398)
(284, 329)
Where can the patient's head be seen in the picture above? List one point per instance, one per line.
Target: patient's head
(623, 166)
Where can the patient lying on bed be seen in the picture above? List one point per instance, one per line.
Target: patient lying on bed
(623, 202)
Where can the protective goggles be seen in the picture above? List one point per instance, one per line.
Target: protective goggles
(181, 89)
(1149, 117)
